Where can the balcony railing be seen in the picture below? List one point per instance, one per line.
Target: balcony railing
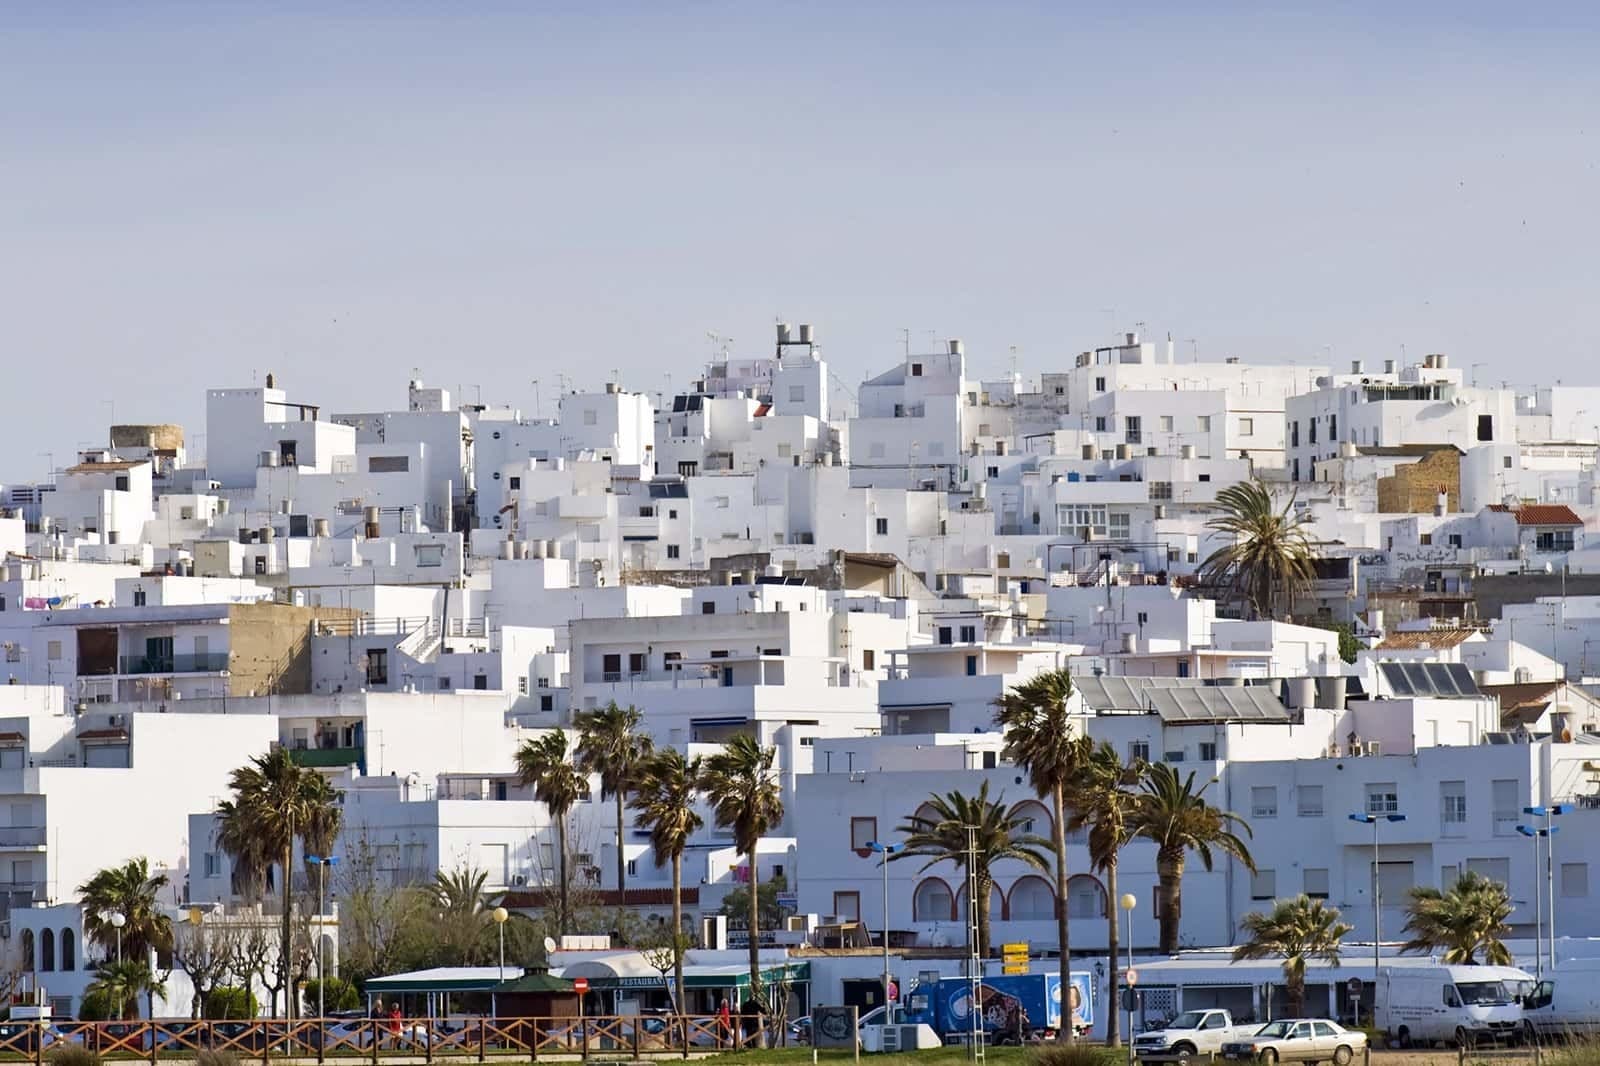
(327, 757)
(212, 663)
(22, 836)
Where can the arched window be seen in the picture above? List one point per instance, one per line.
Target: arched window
(1032, 900)
(997, 902)
(927, 815)
(931, 902)
(69, 959)
(1037, 821)
(27, 949)
(47, 949)
(1086, 897)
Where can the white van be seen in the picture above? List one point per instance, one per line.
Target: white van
(1567, 1002)
(1464, 1005)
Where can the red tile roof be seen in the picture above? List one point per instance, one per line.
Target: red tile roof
(1547, 514)
(1415, 639)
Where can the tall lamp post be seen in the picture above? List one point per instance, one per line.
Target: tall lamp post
(1127, 903)
(1375, 820)
(118, 920)
(321, 862)
(501, 915)
(1548, 812)
(886, 850)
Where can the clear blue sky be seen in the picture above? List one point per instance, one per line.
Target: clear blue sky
(339, 193)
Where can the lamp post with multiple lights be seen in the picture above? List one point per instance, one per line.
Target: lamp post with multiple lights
(321, 862)
(881, 848)
(1548, 812)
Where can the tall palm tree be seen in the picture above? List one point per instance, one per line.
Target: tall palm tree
(1102, 798)
(610, 744)
(1462, 923)
(131, 891)
(1268, 559)
(276, 802)
(664, 803)
(120, 984)
(742, 787)
(1175, 816)
(1300, 929)
(460, 906)
(546, 766)
(943, 837)
(1039, 738)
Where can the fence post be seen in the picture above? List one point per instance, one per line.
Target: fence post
(38, 1043)
(533, 1041)
(322, 1040)
(683, 1023)
(482, 1036)
(583, 1030)
(264, 1030)
(153, 1041)
(636, 1023)
(427, 1042)
(377, 1034)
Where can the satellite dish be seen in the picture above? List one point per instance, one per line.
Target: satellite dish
(549, 944)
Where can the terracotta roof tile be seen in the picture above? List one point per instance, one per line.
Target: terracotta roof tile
(1413, 640)
(1547, 514)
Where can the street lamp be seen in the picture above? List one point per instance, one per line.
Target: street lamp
(1375, 820)
(321, 862)
(118, 920)
(1127, 903)
(1548, 812)
(500, 915)
(886, 850)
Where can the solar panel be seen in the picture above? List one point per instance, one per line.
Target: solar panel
(1429, 679)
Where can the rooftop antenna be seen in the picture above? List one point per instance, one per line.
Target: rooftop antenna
(905, 340)
(1194, 349)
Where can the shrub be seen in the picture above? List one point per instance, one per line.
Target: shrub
(340, 995)
(230, 1002)
(94, 1007)
(72, 1055)
(212, 1057)
(1078, 1053)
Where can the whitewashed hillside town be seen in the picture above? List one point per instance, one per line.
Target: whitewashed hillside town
(409, 602)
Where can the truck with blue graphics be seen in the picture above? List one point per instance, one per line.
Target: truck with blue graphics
(1011, 1008)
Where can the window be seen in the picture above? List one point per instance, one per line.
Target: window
(1333, 429)
(993, 471)
(1264, 801)
(969, 634)
(672, 551)
(636, 662)
(68, 962)
(972, 666)
(1166, 423)
(1315, 882)
(1574, 880)
(946, 635)
(1451, 997)
(708, 607)
(1455, 540)
(611, 667)
(377, 666)
(138, 597)
(882, 526)
(1247, 428)
(1448, 875)
(522, 686)
(514, 483)
(1133, 433)
(633, 867)
(863, 831)
(1494, 869)
(1138, 751)
(547, 703)
(1452, 808)
(1308, 801)
(797, 394)
(1311, 430)
(1208, 750)
(1099, 384)
(480, 682)
(1554, 540)
(1079, 517)
(1264, 885)
(47, 949)
(1382, 798)
(1296, 474)
(1507, 809)
(1119, 527)
(916, 370)
(1203, 423)
(1100, 424)
(869, 659)
(1161, 490)
(388, 464)
(1294, 434)
(1485, 427)
(847, 906)
(591, 417)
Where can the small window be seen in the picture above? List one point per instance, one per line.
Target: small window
(672, 551)
(969, 634)
(1264, 801)
(672, 513)
(1486, 427)
(916, 370)
(1166, 423)
(1138, 751)
(590, 417)
(1208, 751)
(1382, 798)
(1203, 423)
(514, 483)
(1452, 998)
(869, 659)
(946, 635)
(883, 527)
(1100, 424)
(863, 831)
(1308, 801)
(633, 867)
(388, 464)
(1315, 881)
(1574, 880)
(1264, 885)
(847, 906)
(1247, 427)
(547, 703)
(797, 394)
(708, 607)
(972, 666)
(1099, 384)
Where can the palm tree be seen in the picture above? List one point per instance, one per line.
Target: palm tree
(546, 767)
(460, 906)
(131, 891)
(744, 794)
(610, 744)
(1463, 922)
(1300, 930)
(120, 984)
(1102, 797)
(276, 802)
(664, 803)
(1268, 559)
(1039, 739)
(1175, 816)
(999, 835)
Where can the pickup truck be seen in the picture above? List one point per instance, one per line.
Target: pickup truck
(1193, 1032)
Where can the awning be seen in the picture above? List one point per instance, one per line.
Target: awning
(536, 983)
(443, 979)
(630, 970)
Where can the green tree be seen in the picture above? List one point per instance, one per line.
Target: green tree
(275, 802)
(610, 745)
(942, 836)
(118, 985)
(736, 904)
(1102, 796)
(1174, 815)
(131, 891)
(1267, 560)
(339, 993)
(226, 1002)
(664, 804)
(459, 909)
(546, 766)
(1300, 930)
(742, 787)
(1463, 923)
(1040, 739)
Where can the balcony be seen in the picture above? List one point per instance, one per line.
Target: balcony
(22, 836)
(212, 663)
(328, 758)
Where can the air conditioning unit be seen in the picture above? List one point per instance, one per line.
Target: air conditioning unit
(519, 880)
(118, 720)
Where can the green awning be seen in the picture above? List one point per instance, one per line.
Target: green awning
(441, 979)
(536, 983)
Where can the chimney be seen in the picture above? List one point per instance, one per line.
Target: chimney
(783, 333)
(805, 333)
(1357, 367)
(1388, 366)
(271, 381)
(956, 348)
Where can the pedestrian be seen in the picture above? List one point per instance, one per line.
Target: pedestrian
(724, 1022)
(395, 1023)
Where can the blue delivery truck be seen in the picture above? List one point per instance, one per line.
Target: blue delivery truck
(1012, 1008)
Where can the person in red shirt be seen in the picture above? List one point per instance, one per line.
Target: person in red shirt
(724, 1022)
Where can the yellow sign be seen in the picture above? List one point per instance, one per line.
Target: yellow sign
(1015, 949)
(1014, 967)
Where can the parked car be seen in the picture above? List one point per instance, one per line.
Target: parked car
(1193, 1032)
(1298, 1040)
